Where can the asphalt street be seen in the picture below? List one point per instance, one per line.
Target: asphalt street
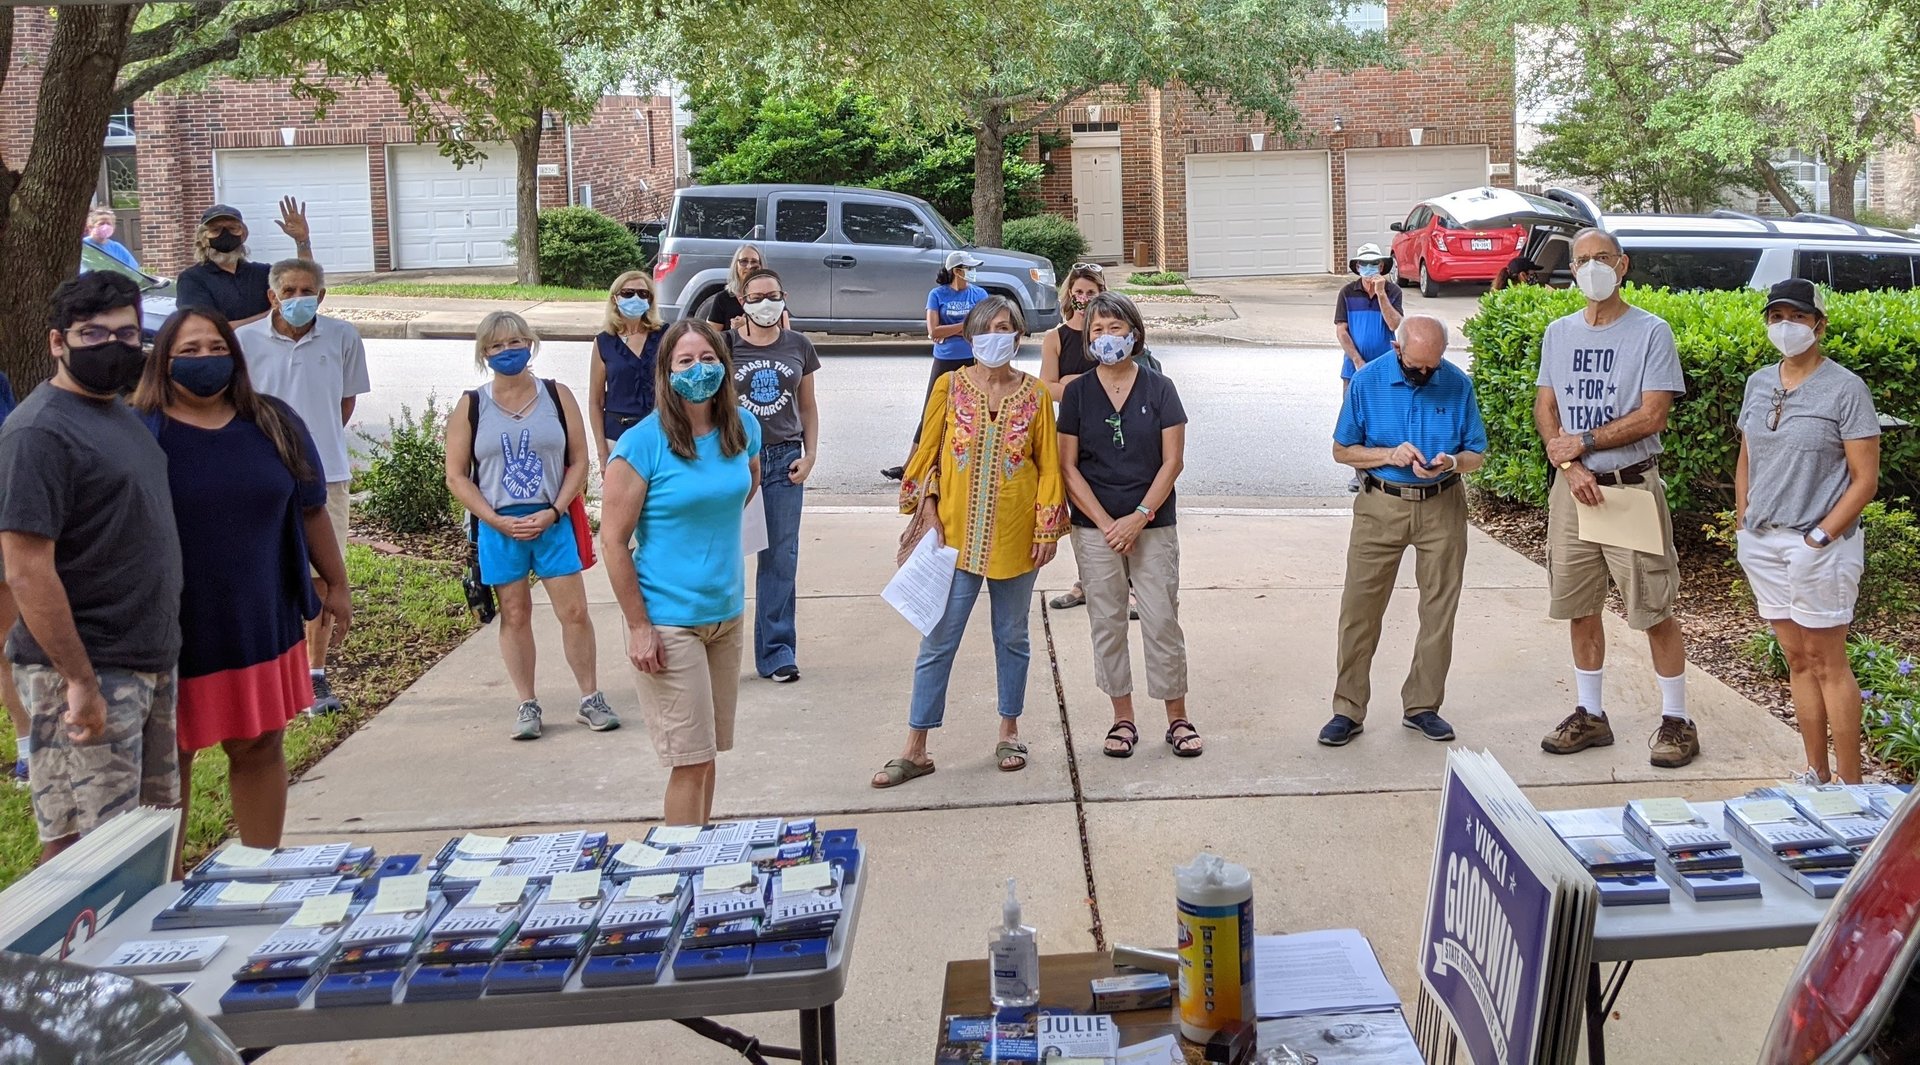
(1259, 429)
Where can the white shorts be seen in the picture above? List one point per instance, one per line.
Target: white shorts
(1814, 587)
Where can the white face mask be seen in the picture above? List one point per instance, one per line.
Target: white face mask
(995, 349)
(766, 312)
(1596, 280)
(1791, 338)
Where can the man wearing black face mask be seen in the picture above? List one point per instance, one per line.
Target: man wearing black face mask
(1411, 426)
(224, 280)
(93, 557)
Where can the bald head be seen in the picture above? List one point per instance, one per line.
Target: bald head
(1593, 239)
(1421, 340)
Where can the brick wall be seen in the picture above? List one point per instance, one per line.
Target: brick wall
(32, 35)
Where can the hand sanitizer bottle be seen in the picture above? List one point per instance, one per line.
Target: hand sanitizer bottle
(1013, 954)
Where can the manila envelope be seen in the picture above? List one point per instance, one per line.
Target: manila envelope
(1626, 517)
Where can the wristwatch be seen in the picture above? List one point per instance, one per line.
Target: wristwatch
(1143, 510)
(557, 512)
(1819, 537)
(1589, 441)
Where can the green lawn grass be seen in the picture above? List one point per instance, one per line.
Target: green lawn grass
(424, 290)
(408, 612)
(1150, 293)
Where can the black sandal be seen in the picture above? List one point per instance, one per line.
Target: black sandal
(1187, 744)
(1129, 738)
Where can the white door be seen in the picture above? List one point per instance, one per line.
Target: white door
(1383, 184)
(1096, 200)
(445, 215)
(1259, 213)
(332, 182)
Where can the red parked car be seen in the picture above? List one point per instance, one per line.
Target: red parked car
(1462, 236)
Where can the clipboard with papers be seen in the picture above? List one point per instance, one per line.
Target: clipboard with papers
(1626, 517)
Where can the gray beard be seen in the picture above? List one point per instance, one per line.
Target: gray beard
(226, 258)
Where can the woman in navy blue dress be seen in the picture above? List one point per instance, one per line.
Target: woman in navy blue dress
(620, 389)
(22, 730)
(250, 501)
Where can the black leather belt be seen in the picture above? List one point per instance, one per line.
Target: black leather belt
(1416, 492)
(1634, 474)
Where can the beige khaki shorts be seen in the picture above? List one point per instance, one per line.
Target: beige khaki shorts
(135, 762)
(337, 507)
(688, 707)
(1578, 571)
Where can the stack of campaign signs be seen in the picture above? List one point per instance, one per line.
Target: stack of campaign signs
(1509, 928)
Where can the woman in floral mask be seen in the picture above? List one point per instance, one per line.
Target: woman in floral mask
(1063, 350)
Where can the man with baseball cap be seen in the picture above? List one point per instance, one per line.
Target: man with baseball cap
(222, 279)
(1365, 314)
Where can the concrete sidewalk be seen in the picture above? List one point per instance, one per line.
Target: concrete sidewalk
(1336, 838)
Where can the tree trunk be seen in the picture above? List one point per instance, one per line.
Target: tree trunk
(43, 205)
(1789, 201)
(1840, 177)
(526, 147)
(990, 176)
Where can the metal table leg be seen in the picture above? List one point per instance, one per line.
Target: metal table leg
(1600, 1002)
(817, 1036)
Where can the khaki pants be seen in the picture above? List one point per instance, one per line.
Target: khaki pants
(1154, 568)
(1384, 526)
(689, 706)
(337, 505)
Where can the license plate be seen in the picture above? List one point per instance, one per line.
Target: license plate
(1483, 245)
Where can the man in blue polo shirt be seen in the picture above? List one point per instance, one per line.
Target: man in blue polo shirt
(1411, 426)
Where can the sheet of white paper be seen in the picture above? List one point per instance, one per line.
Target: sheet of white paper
(1626, 517)
(654, 886)
(475, 845)
(1347, 1038)
(398, 894)
(673, 835)
(247, 892)
(920, 588)
(812, 876)
(241, 856)
(639, 854)
(471, 868)
(1833, 804)
(322, 910)
(753, 525)
(1162, 1051)
(1333, 971)
(498, 890)
(725, 877)
(570, 887)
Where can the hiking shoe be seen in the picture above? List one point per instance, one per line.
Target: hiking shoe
(1578, 732)
(19, 775)
(594, 713)
(785, 675)
(527, 725)
(1674, 743)
(324, 701)
(1430, 725)
(894, 473)
(1338, 731)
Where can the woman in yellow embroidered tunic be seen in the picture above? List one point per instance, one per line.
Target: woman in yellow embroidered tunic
(987, 474)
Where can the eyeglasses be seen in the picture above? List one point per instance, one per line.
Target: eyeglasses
(1119, 438)
(1089, 267)
(762, 298)
(89, 335)
(750, 264)
(1779, 404)
(630, 293)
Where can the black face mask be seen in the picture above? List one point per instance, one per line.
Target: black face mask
(1417, 376)
(206, 376)
(105, 369)
(226, 242)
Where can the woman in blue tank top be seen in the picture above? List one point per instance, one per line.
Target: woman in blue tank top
(620, 390)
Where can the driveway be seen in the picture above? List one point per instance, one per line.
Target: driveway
(1298, 311)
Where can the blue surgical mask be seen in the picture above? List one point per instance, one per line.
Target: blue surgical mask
(206, 376)
(1369, 270)
(633, 306)
(1110, 349)
(510, 361)
(297, 311)
(698, 383)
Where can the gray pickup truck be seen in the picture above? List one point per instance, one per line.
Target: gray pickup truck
(852, 260)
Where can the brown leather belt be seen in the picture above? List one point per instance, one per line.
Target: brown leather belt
(1416, 492)
(1634, 474)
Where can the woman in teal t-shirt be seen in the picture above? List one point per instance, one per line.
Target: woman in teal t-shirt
(675, 489)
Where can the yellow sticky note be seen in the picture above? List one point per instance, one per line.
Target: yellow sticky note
(475, 844)
(639, 855)
(241, 856)
(652, 887)
(322, 910)
(570, 886)
(1667, 811)
(809, 877)
(242, 891)
(1766, 811)
(1833, 804)
(723, 877)
(497, 890)
(398, 894)
(674, 835)
(471, 869)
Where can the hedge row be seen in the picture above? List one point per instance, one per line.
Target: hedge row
(1722, 339)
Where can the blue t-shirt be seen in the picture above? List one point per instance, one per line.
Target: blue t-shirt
(1440, 417)
(117, 250)
(7, 401)
(688, 542)
(1365, 324)
(953, 306)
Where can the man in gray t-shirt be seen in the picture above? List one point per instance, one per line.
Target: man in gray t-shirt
(1608, 377)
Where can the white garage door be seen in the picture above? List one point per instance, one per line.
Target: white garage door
(331, 181)
(1258, 213)
(445, 215)
(1383, 184)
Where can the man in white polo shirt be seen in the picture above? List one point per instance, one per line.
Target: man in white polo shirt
(317, 366)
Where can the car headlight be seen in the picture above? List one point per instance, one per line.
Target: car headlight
(1042, 275)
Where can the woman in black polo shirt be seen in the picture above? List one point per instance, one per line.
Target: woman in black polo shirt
(1122, 444)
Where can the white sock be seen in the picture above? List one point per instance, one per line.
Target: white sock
(24, 745)
(317, 673)
(1586, 683)
(1673, 696)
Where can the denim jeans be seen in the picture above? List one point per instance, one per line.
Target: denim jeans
(1011, 599)
(773, 624)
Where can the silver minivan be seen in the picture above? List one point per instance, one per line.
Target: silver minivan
(852, 260)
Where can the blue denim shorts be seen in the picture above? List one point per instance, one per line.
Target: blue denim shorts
(504, 560)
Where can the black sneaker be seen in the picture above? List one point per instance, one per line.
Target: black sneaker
(894, 473)
(785, 675)
(324, 701)
(1430, 725)
(1338, 731)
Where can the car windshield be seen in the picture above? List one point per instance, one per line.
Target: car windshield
(94, 259)
(953, 238)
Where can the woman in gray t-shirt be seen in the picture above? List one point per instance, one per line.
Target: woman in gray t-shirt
(1809, 463)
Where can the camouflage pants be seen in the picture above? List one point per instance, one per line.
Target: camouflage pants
(136, 761)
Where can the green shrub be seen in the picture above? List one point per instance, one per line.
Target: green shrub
(406, 473)
(1867, 216)
(1764, 650)
(1159, 279)
(1890, 584)
(1889, 702)
(1049, 236)
(1721, 339)
(582, 248)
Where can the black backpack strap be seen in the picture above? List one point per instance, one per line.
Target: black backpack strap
(473, 457)
(566, 435)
